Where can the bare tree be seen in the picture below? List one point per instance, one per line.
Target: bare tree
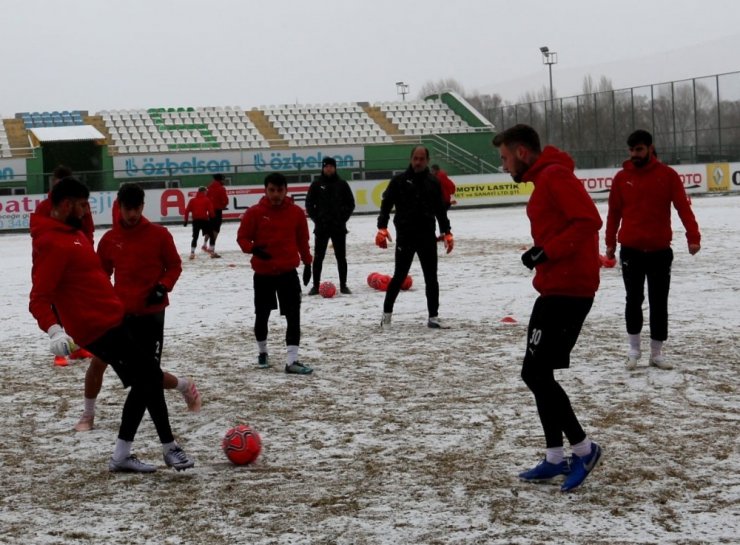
(441, 86)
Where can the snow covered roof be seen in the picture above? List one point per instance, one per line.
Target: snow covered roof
(67, 134)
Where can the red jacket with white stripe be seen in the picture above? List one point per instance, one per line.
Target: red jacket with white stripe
(281, 230)
(139, 258)
(66, 273)
(640, 207)
(565, 223)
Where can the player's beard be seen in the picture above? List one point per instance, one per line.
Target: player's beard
(640, 162)
(520, 168)
(74, 221)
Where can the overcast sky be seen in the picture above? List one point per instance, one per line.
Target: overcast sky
(113, 54)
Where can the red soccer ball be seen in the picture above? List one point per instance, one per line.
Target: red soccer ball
(372, 280)
(327, 290)
(242, 445)
(407, 283)
(383, 280)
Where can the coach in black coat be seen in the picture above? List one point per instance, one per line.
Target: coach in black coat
(417, 198)
(330, 204)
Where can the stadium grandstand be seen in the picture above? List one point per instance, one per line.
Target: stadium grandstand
(238, 141)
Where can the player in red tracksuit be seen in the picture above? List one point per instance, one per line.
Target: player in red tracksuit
(220, 199)
(66, 270)
(447, 185)
(88, 227)
(565, 228)
(201, 208)
(275, 232)
(640, 210)
(144, 262)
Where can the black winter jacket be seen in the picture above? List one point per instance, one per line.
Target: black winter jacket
(417, 198)
(329, 204)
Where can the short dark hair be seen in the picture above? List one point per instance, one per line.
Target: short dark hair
(275, 178)
(219, 177)
(640, 136)
(68, 188)
(426, 150)
(435, 167)
(130, 195)
(519, 135)
(61, 172)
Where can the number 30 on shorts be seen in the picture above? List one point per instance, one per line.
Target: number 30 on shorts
(536, 337)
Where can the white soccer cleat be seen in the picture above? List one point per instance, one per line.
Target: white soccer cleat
(385, 321)
(192, 397)
(176, 458)
(660, 362)
(632, 357)
(130, 464)
(86, 423)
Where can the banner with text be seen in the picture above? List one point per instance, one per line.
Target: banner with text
(266, 160)
(168, 205)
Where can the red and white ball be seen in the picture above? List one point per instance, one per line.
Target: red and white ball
(242, 445)
(327, 290)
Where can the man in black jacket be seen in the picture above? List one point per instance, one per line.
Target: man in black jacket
(329, 204)
(417, 197)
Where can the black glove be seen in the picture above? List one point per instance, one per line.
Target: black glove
(157, 295)
(534, 256)
(259, 251)
(306, 275)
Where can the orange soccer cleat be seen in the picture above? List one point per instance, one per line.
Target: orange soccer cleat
(60, 361)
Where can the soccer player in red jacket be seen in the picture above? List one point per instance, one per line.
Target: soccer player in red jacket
(275, 232)
(216, 192)
(640, 217)
(201, 208)
(143, 259)
(565, 256)
(66, 270)
(88, 227)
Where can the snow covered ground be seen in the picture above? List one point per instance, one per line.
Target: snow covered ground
(413, 436)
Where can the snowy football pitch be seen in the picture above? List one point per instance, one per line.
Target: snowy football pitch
(412, 436)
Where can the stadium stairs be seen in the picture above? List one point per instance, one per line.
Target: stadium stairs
(382, 120)
(18, 138)
(267, 129)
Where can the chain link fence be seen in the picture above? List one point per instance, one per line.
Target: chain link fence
(692, 121)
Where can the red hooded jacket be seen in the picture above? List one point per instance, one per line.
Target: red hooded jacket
(200, 207)
(565, 223)
(66, 273)
(448, 186)
(640, 199)
(140, 257)
(281, 230)
(217, 193)
(88, 226)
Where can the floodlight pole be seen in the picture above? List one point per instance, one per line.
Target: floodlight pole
(549, 58)
(402, 89)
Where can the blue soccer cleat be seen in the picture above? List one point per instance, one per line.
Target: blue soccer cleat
(581, 467)
(544, 471)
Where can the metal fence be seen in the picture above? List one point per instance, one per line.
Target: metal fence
(692, 121)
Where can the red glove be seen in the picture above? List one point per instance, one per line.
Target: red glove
(382, 238)
(449, 242)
